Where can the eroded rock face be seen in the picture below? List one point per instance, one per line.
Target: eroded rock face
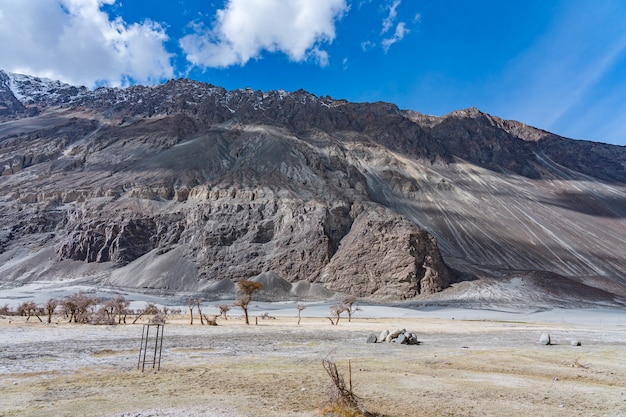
(387, 255)
(361, 250)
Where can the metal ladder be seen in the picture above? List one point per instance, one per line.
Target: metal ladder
(158, 347)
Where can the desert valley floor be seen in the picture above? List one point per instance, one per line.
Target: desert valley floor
(465, 366)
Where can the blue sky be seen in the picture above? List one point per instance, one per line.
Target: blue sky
(558, 65)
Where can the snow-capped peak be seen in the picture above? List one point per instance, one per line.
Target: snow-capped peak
(30, 90)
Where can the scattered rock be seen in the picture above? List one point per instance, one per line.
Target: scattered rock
(575, 342)
(383, 335)
(396, 333)
(372, 338)
(544, 339)
(397, 336)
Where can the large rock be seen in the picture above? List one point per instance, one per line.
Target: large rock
(386, 255)
(544, 339)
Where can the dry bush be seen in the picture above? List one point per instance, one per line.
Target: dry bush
(211, 320)
(159, 318)
(5, 310)
(102, 317)
(342, 402)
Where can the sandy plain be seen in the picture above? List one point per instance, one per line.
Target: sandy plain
(464, 366)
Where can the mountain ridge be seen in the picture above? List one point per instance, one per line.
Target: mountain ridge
(355, 197)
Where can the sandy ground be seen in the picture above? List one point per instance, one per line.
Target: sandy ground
(463, 367)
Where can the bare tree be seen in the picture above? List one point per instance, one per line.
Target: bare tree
(5, 310)
(28, 309)
(335, 312)
(246, 289)
(69, 307)
(199, 304)
(192, 305)
(349, 307)
(300, 307)
(159, 318)
(224, 308)
(51, 305)
(108, 309)
(78, 306)
(149, 309)
(121, 305)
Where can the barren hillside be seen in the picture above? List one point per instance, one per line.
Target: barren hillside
(188, 187)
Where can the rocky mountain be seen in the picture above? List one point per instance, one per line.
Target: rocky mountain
(185, 187)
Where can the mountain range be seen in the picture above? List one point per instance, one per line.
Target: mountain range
(186, 187)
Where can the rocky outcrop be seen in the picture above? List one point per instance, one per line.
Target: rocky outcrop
(387, 255)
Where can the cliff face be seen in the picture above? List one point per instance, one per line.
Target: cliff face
(182, 185)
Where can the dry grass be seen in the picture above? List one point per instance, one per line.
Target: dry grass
(462, 368)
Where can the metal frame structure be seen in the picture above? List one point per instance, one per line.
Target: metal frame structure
(158, 346)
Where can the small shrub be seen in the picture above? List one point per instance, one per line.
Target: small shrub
(342, 402)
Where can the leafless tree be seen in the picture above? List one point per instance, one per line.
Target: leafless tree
(108, 308)
(335, 312)
(159, 318)
(50, 307)
(117, 306)
(149, 309)
(300, 307)
(121, 304)
(199, 305)
(78, 307)
(5, 310)
(224, 308)
(246, 289)
(28, 309)
(349, 307)
(192, 305)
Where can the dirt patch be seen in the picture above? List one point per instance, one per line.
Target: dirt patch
(462, 368)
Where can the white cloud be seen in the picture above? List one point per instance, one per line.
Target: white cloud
(391, 17)
(76, 42)
(367, 45)
(398, 35)
(245, 28)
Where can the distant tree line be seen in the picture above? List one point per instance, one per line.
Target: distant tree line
(87, 309)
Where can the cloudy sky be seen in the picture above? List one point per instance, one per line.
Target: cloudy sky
(556, 64)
